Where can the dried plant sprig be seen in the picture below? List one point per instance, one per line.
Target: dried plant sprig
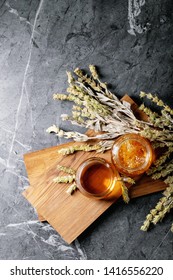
(164, 205)
(71, 189)
(66, 169)
(105, 145)
(161, 214)
(85, 80)
(71, 79)
(64, 179)
(79, 137)
(169, 180)
(147, 222)
(157, 145)
(102, 87)
(172, 228)
(125, 193)
(161, 171)
(153, 134)
(167, 117)
(128, 180)
(160, 121)
(162, 159)
(53, 129)
(77, 108)
(155, 169)
(157, 101)
(67, 179)
(168, 191)
(75, 148)
(70, 134)
(58, 96)
(100, 147)
(94, 72)
(152, 115)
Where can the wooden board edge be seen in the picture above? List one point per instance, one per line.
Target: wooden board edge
(133, 193)
(40, 217)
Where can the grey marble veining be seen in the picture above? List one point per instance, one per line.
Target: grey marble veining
(131, 43)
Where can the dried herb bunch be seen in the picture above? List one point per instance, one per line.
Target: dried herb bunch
(70, 178)
(96, 108)
(163, 166)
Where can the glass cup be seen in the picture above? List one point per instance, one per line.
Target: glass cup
(132, 154)
(97, 178)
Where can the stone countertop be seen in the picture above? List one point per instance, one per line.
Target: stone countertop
(131, 43)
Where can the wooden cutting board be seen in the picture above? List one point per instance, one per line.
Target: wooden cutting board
(71, 215)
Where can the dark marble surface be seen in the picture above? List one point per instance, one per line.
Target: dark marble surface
(131, 42)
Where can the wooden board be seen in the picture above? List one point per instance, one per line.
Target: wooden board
(70, 215)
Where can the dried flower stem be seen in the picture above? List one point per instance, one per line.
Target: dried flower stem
(125, 193)
(71, 189)
(172, 228)
(157, 101)
(75, 148)
(128, 180)
(66, 169)
(64, 179)
(161, 171)
(163, 207)
(67, 179)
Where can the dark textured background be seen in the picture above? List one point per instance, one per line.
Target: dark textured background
(131, 42)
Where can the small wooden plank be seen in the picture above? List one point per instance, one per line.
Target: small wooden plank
(144, 187)
(40, 217)
(71, 215)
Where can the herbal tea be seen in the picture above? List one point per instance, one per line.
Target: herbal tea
(99, 179)
(96, 178)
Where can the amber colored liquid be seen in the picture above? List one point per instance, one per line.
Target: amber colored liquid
(96, 179)
(132, 154)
